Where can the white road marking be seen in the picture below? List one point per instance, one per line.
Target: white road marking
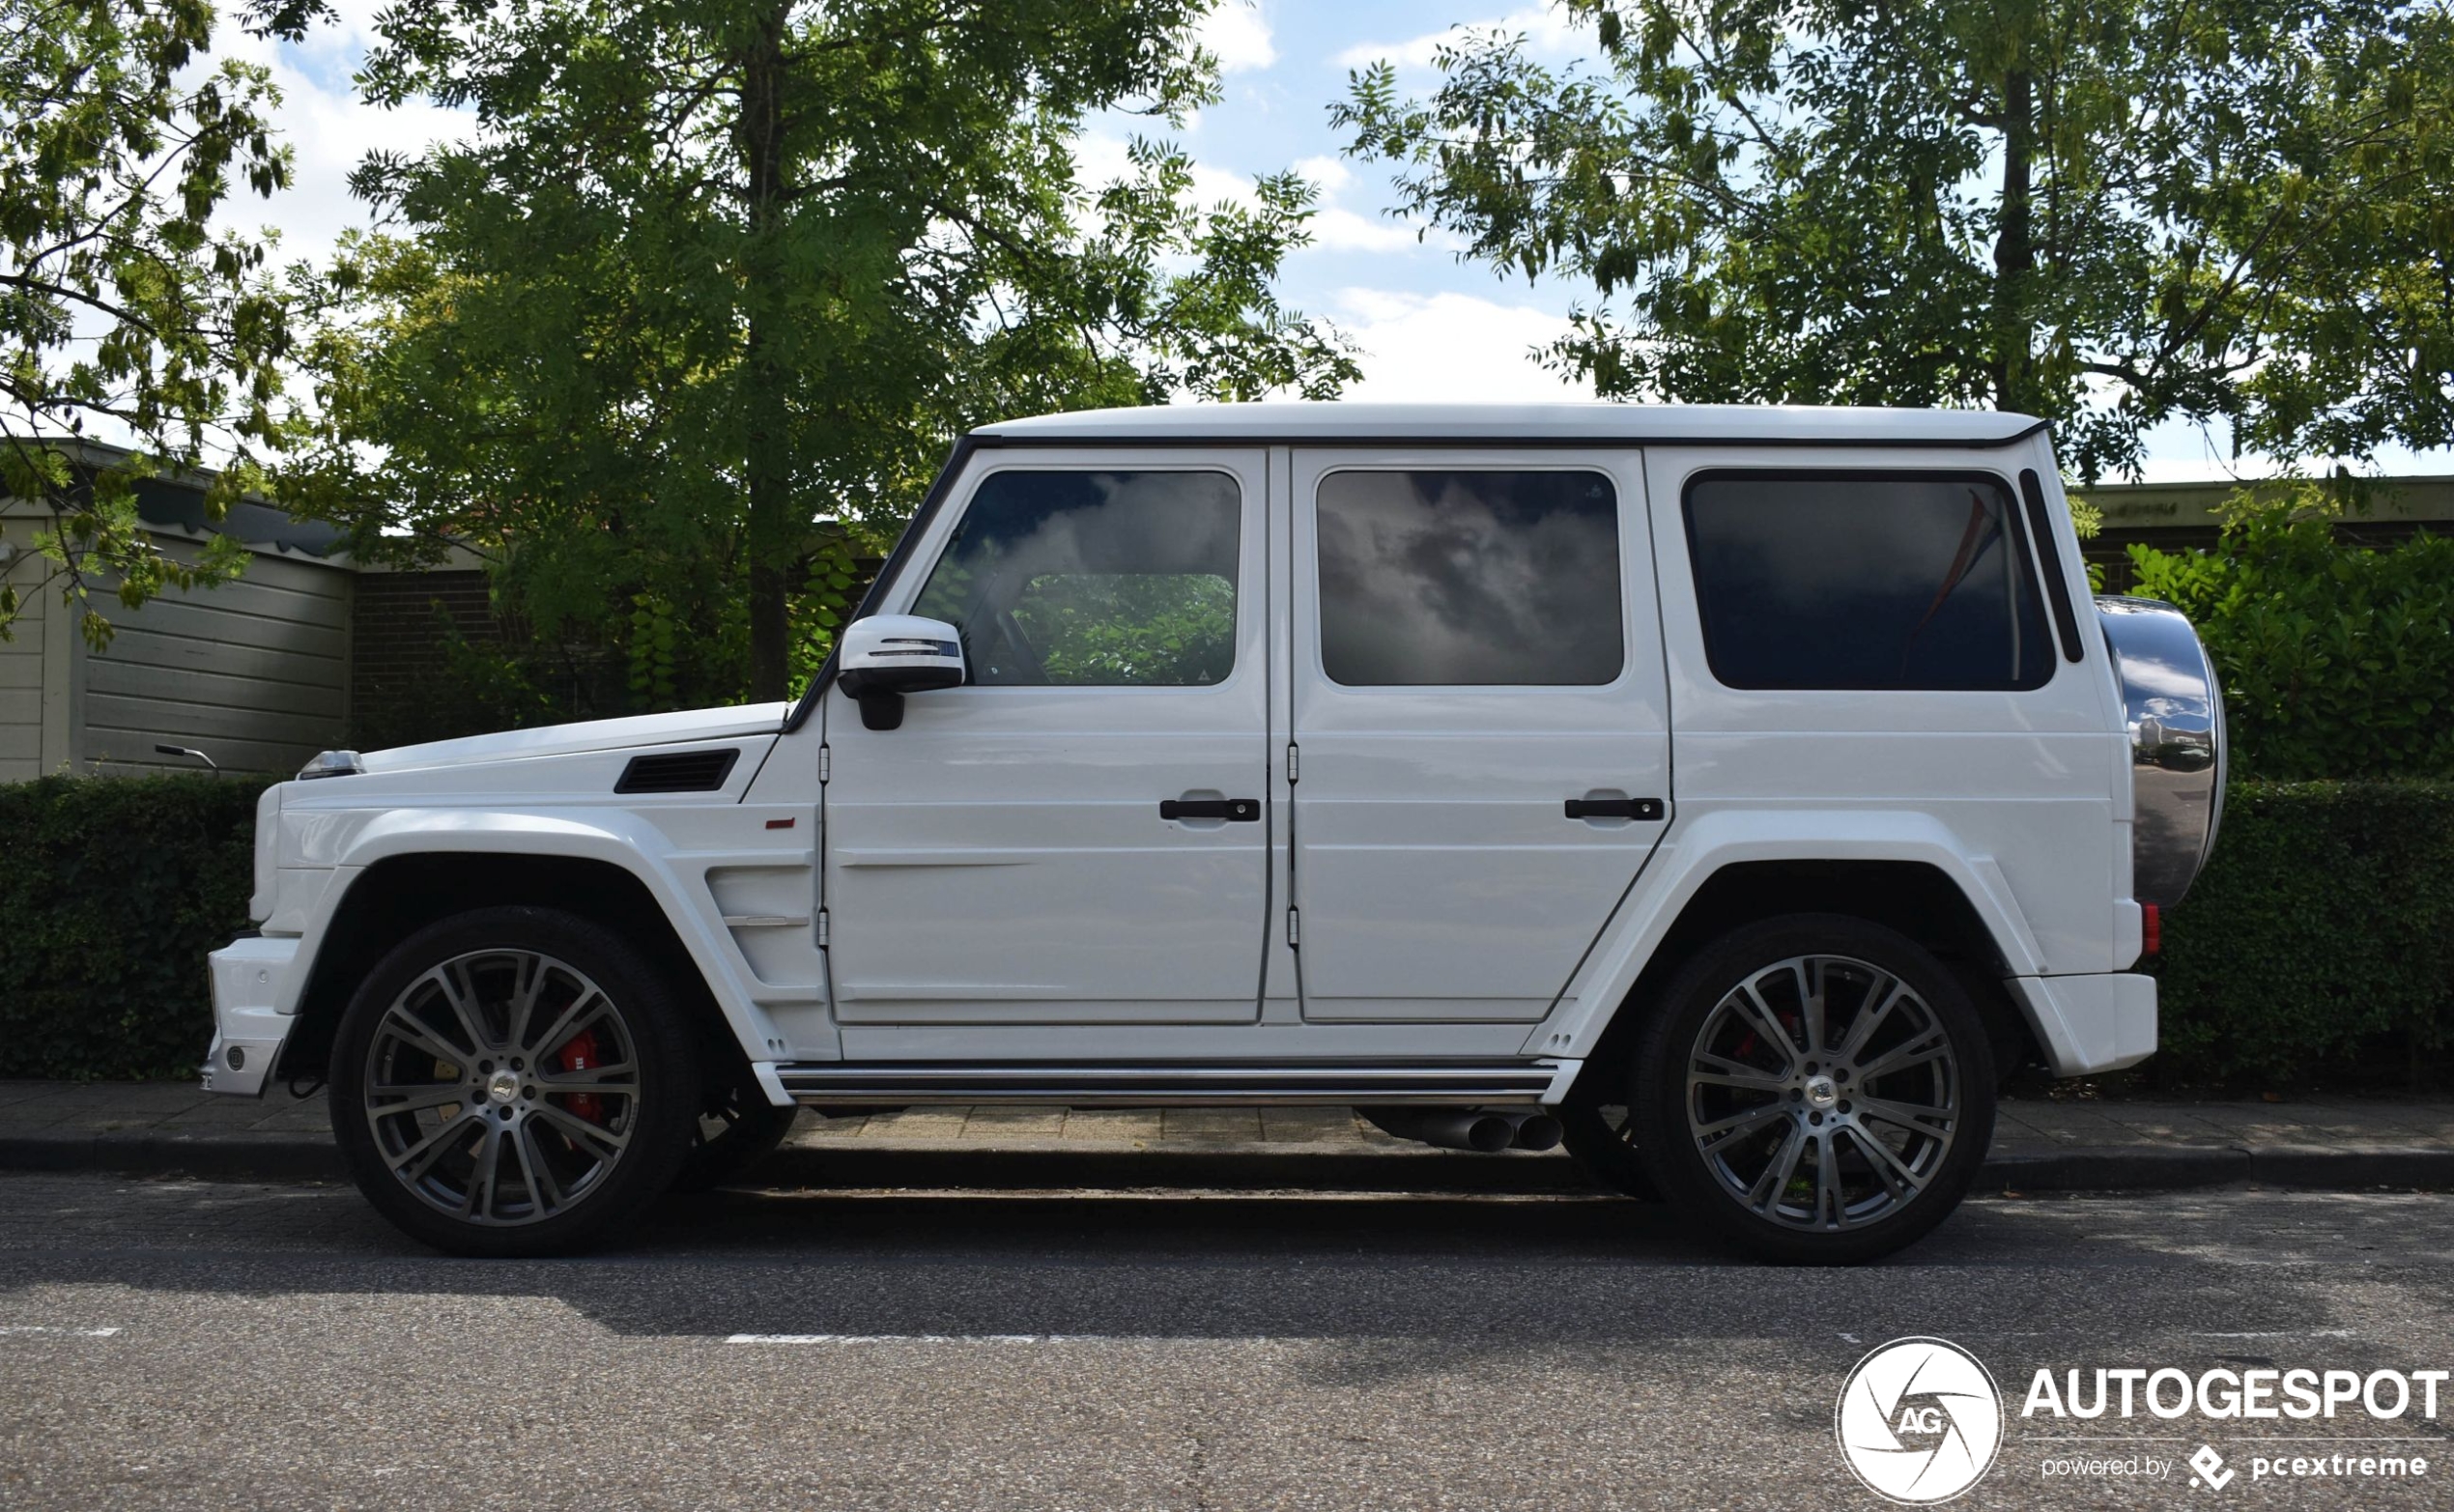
(907, 1339)
(2283, 1333)
(39, 1327)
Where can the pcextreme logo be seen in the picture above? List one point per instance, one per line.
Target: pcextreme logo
(1919, 1421)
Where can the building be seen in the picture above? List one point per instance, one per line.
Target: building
(259, 674)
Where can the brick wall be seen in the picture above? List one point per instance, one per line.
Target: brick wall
(396, 647)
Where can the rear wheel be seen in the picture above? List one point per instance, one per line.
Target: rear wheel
(513, 1081)
(1818, 1089)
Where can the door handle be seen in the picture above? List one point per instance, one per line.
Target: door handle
(1614, 808)
(1241, 811)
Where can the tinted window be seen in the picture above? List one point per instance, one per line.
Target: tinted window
(1865, 580)
(1091, 579)
(1451, 578)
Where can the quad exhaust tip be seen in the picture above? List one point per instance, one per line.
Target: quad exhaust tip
(1480, 1130)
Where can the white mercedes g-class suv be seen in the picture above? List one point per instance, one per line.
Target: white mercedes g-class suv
(1738, 792)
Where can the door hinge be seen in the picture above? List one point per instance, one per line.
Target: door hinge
(826, 764)
(1292, 933)
(1293, 761)
(823, 928)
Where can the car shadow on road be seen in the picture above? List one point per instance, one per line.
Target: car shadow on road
(1397, 1276)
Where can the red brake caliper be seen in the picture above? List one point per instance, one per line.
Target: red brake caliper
(578, 1054)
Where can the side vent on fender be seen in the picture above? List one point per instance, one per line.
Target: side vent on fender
(679, 772)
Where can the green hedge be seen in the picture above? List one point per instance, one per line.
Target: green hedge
(2337, 660)
(111, 892)
(2318, 949)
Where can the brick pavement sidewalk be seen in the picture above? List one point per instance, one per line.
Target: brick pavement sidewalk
(2038, 1145)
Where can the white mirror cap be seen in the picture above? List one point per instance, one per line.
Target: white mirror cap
(889, 641)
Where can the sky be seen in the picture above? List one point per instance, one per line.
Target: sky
(1430, 324)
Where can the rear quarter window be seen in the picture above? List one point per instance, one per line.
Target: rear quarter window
(1877, 580)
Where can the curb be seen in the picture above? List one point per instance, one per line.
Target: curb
(2182, 1167)
(262, 1159)
(913, 1165)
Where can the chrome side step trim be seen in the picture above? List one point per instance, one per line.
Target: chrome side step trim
(1212, 1084)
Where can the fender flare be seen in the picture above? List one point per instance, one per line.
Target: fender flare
(1702, 845)
(610, 835)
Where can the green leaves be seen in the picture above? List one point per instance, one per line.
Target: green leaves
(123, 316)
(116, 888)
(2319, 947)
(2336, 660)
(2108, 213)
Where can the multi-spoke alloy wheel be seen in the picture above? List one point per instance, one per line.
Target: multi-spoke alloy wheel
(1821, 1088)
(511, 1081)
(502, 1086)
(1822, 1093)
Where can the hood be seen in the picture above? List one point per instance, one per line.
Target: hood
(602, 734)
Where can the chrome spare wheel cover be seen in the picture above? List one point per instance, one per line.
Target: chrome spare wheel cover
(501, 1087)
(2174, 712)
(1823, 1093)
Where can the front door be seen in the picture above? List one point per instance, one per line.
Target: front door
(1480, 723)
(1003, 856)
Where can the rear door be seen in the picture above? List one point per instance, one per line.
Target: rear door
(1479, 721)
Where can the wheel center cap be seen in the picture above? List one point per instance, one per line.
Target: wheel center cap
(1821, 1092)
(504, 1086)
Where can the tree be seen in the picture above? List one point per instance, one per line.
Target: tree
(2104, 211)
(126, 318)
(709, 270)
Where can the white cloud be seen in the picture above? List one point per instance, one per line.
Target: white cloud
(1548, 34)
(1338, 229)
(1451, 345)
(1330, 172)
(1238, 32)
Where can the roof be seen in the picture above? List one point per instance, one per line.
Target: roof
(1316, 423)
(174, 500)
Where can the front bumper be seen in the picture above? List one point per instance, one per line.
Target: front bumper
(2097, 1022)
(248, 1032)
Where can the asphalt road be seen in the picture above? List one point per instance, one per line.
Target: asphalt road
(177, 1344)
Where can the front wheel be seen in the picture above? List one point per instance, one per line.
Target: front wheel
(513, 1081)
(1818, 1089)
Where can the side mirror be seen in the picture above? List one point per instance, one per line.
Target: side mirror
(886, 656)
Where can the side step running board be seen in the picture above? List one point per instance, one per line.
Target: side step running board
(1178, 1084)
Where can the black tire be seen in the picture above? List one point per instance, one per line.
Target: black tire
(736, 1129)
(1737, 1156)
(553, 1043)
(1602, 1138)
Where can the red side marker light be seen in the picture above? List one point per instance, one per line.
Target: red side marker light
(782, 824)
(2151, 929)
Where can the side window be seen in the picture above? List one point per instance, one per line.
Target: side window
(1456, 577)
(1094, 579)
(1866, 581)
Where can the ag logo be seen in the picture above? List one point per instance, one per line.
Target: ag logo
(1920, 1421)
